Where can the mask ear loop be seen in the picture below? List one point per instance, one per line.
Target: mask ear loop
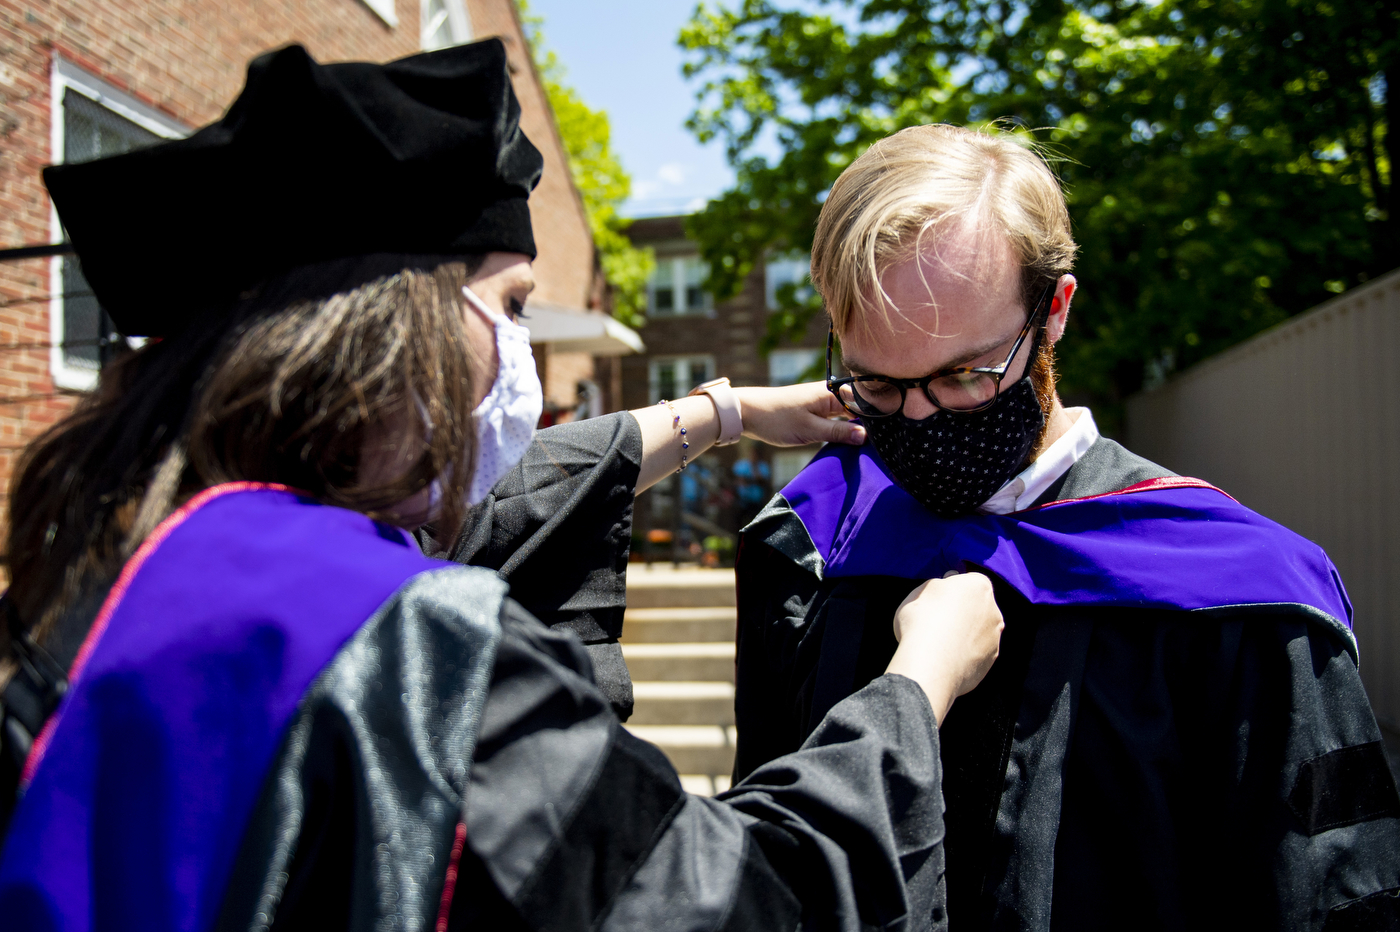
(480, 307)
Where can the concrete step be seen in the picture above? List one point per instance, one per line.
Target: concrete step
(692, 749)
(682, 703)
(684, 662)
(687, 588)
(678, 641)
(703, 784)
(671, 625)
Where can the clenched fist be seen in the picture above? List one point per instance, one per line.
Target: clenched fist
(949, 633)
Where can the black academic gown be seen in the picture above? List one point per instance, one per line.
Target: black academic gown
(1118, 768)
(569, 821)
(573, 823)
(558, 529)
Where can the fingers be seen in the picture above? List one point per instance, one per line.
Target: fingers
(828, 408)
(815, 429)
(796, 415)
(826, 403)
(844, 432)
(949, 633)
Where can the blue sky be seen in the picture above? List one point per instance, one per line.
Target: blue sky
(621, 56)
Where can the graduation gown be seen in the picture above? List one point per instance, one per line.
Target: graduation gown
(558, 529)
(1174, 735)
(283, 715)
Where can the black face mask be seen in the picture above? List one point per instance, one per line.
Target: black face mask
(953, 462)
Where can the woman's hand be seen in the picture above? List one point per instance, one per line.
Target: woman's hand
(796, 415)
(949, 633)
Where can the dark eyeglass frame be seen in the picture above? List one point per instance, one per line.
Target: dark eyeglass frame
(997, 373)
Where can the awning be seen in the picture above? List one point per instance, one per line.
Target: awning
(572, 331)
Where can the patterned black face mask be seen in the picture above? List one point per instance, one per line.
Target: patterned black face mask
(952, 462)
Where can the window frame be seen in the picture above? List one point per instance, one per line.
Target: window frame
(677, 265)
(770, 287)
(654, 364)
(384, 9)
(65, 76)
(459, 24)
(791, 352)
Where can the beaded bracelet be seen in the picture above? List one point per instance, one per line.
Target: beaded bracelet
(676, 422)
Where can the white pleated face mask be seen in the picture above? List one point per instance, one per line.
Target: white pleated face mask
(506, 418)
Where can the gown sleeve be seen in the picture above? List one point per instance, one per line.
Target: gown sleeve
(1228, 768)
(371, 817)
(575, 823)
(775, 596)
(558, 529)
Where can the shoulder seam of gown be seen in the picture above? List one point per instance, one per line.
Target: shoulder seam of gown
(779, 526)
(1317, 615)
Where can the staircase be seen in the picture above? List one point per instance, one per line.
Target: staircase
(678, 641)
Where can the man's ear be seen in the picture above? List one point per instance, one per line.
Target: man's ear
(1059, 308)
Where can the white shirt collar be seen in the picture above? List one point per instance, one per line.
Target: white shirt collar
(1029, 484)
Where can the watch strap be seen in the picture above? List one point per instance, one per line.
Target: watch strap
(726, 402)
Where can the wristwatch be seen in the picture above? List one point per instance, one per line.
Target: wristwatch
(731, 416)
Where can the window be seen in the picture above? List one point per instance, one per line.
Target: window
(788, 366)
(91, 119)
(787, 270)
(445, 23)
(674, 376)
(676, 287)
(384, 9)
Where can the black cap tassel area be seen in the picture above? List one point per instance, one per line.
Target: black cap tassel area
(312, 162)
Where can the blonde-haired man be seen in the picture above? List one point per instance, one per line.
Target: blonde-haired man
(1175, 735)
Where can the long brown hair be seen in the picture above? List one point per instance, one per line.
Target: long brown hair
(288, 386)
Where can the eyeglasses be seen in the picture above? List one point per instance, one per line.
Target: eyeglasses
(962, 389)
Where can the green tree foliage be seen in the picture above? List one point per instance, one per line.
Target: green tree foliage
(1227, 162)
(599, 176)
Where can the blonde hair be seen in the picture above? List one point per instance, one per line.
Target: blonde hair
(909, 184)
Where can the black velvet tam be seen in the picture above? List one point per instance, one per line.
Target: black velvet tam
(312, 162)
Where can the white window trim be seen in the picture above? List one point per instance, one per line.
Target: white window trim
(66, 75)
(770, 288)
(459, 23)
(677, 264)
(654, 363)
(384, 9)
(811, 353)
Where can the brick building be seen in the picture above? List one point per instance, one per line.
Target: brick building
(80, 79)
(689, 339)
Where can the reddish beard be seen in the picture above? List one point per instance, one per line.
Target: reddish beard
(1043, 379)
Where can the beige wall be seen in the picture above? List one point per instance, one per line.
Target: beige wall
(1302, 423)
